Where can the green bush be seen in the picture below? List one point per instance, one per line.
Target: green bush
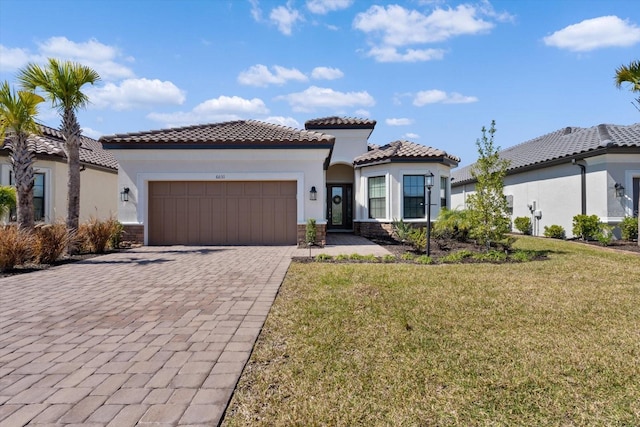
(554, 231)
(408, 256)
(341, 257)
(452, 224)
(629, 228)
(418, 238)
(323, 257)
(586, 227)
(356, 257)
(521, 256)
(51, 241)
(389, 258)
(16, 247)
(490, 256)
(310, 232)
(523, 224)
(604, 235)
(7, 199)
(116, 237)
(456, 256)
(424, 259)
(401, 230)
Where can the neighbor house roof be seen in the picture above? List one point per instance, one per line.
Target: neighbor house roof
(335, 122)
(404, 151)
(50, 142)
(562, 145)
(234, 134)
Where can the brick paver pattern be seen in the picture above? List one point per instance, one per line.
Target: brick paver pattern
(152, 336)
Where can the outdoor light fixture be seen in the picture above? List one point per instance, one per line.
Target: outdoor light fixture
(619, 190)
(124, 194)
(428, 182)
(313, 194)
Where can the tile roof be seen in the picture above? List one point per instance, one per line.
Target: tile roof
(403, 151)
(234, 134)
(335, 122)
(51, 142)
(568, 142)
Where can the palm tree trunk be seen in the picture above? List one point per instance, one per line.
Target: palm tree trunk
(22, 163)
(71, 132)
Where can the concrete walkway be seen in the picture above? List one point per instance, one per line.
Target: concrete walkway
(151, 336)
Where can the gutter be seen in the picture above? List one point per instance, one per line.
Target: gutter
(583, 183)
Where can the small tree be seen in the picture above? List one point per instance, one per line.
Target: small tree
(488, 210)
(7, 199)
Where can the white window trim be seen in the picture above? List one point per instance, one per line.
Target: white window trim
(629, 175)
(5, 171)
(365, 191)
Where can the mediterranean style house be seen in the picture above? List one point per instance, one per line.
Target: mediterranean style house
(249, 182)
(98, 179)
(552, 178)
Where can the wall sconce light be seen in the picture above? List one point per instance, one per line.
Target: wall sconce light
(313, 194)
(124, 194)
(619, 190)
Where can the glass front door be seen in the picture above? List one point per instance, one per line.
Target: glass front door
(339, 206)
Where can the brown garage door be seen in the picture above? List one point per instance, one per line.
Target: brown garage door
(222, 213)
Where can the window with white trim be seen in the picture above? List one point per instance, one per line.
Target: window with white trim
(444, 180)
(413, 196)
(38, 197)
(377, 197)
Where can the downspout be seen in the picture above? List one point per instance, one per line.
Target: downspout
(583, 182)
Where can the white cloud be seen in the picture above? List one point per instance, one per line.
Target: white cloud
(316, 97)
(410, 135)
(285, 18)
(91, 133)
(363, 113)
(398, 122)
(256, 12)
(394, 26)
(259, 75)
(135, 93)
(322, 7)
(590, 34)
(326, 73)
(391, 54)
(13, 59)
(283, 121)
(435, 96)
(223, 108)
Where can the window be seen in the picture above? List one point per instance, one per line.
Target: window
(413, 193)
(38, 196)
(443, 191)
(377, 197)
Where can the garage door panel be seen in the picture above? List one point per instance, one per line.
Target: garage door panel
(222, 212)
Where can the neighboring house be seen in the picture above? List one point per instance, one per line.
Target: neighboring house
(552, 178)
(250, 182)
(98, 179)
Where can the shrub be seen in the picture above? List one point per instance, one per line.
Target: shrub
(523, 224)
(356, 257)
(7, 199)
(424, 259)
(401, 230)
(323, 257)
(452, 224)
(341, 257)
(95, 235)
(389, 258)
(418, 238)
(456, 256)
(629, 228)
(51, 241)
(604, 235)
(521, 256)
(586, 226)
(407, 256)
(310, 232)
(554, 231)
(116, 237)
(490, 256)
(16, 247)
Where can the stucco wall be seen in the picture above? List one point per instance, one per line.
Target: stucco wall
(349, 144)
(138, 167)
(98, 189)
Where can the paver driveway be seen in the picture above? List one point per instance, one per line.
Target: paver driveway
(153, 335)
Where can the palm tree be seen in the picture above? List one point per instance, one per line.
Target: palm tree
(61, 82)
(629, 74)
(17, 122)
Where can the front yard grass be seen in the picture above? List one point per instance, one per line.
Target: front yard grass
(555, 342)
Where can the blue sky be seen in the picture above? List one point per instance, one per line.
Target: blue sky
(432, 72)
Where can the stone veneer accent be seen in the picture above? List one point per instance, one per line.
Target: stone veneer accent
(133, 233)
(321, 235)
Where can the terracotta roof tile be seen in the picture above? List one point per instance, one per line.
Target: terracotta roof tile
(51, 142)
(563, 143)
(335, 122)
(402, 150)
(234, 134)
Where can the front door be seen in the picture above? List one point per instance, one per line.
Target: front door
(340, 207)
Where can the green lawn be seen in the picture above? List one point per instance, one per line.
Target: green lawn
(553, 342)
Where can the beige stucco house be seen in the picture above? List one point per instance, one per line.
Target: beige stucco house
(250, 182)
(98, 179)
(552, 178)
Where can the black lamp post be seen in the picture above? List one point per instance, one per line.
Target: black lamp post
(428, 183)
